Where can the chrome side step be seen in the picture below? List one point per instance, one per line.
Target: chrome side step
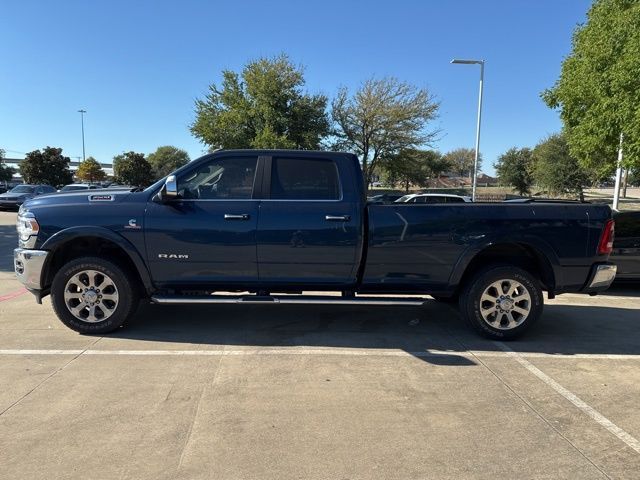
(285, 299)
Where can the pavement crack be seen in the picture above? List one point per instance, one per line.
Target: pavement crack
(187, 441)
(51, 375)
(527, 403)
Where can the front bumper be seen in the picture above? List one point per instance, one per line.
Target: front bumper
(11, 203)
(28, 265)
(601, 277)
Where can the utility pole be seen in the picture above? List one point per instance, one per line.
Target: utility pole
(616, 189)
(82, 112)
(477, 155)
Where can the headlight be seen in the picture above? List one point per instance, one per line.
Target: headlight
(27, 226)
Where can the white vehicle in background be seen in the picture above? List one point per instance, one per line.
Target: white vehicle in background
(73, 187)
(433, 198)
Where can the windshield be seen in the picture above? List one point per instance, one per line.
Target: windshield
(70, 188)
(23, 189)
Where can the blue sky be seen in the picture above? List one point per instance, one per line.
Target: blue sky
(137, 67)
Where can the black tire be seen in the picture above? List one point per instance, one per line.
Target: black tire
(501, 327)
(122, 310)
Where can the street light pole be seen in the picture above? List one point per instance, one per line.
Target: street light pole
(82, 112)
(477, 153)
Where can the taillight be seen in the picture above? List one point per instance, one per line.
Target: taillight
(605, 247)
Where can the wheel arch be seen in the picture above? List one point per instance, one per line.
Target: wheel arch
(76, 242)
(535, 257)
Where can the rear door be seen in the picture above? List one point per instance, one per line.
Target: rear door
(208, 236)
(310, 221)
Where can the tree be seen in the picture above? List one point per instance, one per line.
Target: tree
(264, 106)
(383, 117)
(514, 169)
(6, 173)
(556, 170)
(598, 92)
(461, 161)
(90, 171)
(132, 168)
(166, 160)
(48, 166)
(414, 167)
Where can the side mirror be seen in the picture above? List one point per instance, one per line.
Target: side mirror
(170, 189)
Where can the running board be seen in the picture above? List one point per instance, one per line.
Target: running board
(285, 299)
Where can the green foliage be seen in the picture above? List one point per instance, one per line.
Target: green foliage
(598, 92)
(166, 160)
(48, 166)
(90, 171)
(262, 107)
(461, 161)
(132, 168)
(383, 117)
(414, 167)
(6, 173)
(556, 170)
(514, 168)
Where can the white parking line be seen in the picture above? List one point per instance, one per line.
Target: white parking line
(320, 351)
(587, 409)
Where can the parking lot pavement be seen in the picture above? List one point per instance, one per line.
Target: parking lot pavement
(320, 392)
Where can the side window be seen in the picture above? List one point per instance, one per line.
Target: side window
(220, 179)
(304, 179)
(454, 200)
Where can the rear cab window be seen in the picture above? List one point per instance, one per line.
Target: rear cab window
(304, 179)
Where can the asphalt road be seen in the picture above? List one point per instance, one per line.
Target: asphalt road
(284, 392)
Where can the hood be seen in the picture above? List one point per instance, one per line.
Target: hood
(79, 198)
(14, 196)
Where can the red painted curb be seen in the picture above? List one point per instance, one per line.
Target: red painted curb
(11, 295)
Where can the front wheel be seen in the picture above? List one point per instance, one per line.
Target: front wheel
(93, 295)
(501, 302)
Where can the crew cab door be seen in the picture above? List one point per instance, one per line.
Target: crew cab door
(310, 222)
(208, 235)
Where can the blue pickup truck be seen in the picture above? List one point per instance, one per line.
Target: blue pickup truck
(269, 226)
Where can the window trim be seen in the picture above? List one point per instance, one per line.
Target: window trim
(254, 188)
(266, 182)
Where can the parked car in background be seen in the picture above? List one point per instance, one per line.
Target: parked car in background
(384, 198)
(626, 245)
(21, 193)
(433, 198)
(79, 186)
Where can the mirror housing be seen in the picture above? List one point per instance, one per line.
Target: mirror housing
(169, 190)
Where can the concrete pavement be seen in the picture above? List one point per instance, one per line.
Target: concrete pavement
(245, 392)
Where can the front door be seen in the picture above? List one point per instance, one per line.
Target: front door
(207, 236)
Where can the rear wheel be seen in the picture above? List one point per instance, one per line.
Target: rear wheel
(93, 295)
(502, 302)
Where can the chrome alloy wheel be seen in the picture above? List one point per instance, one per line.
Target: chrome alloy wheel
(91, 296)
(505, 304)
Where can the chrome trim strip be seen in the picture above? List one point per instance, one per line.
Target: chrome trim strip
(277, 300)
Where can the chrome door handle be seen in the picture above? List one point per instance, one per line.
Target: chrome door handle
(337, 218)
(231, 216)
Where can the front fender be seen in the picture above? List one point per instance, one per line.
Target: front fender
(62, 237)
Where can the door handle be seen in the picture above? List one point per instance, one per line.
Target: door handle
(231, 216)
(337, 218)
